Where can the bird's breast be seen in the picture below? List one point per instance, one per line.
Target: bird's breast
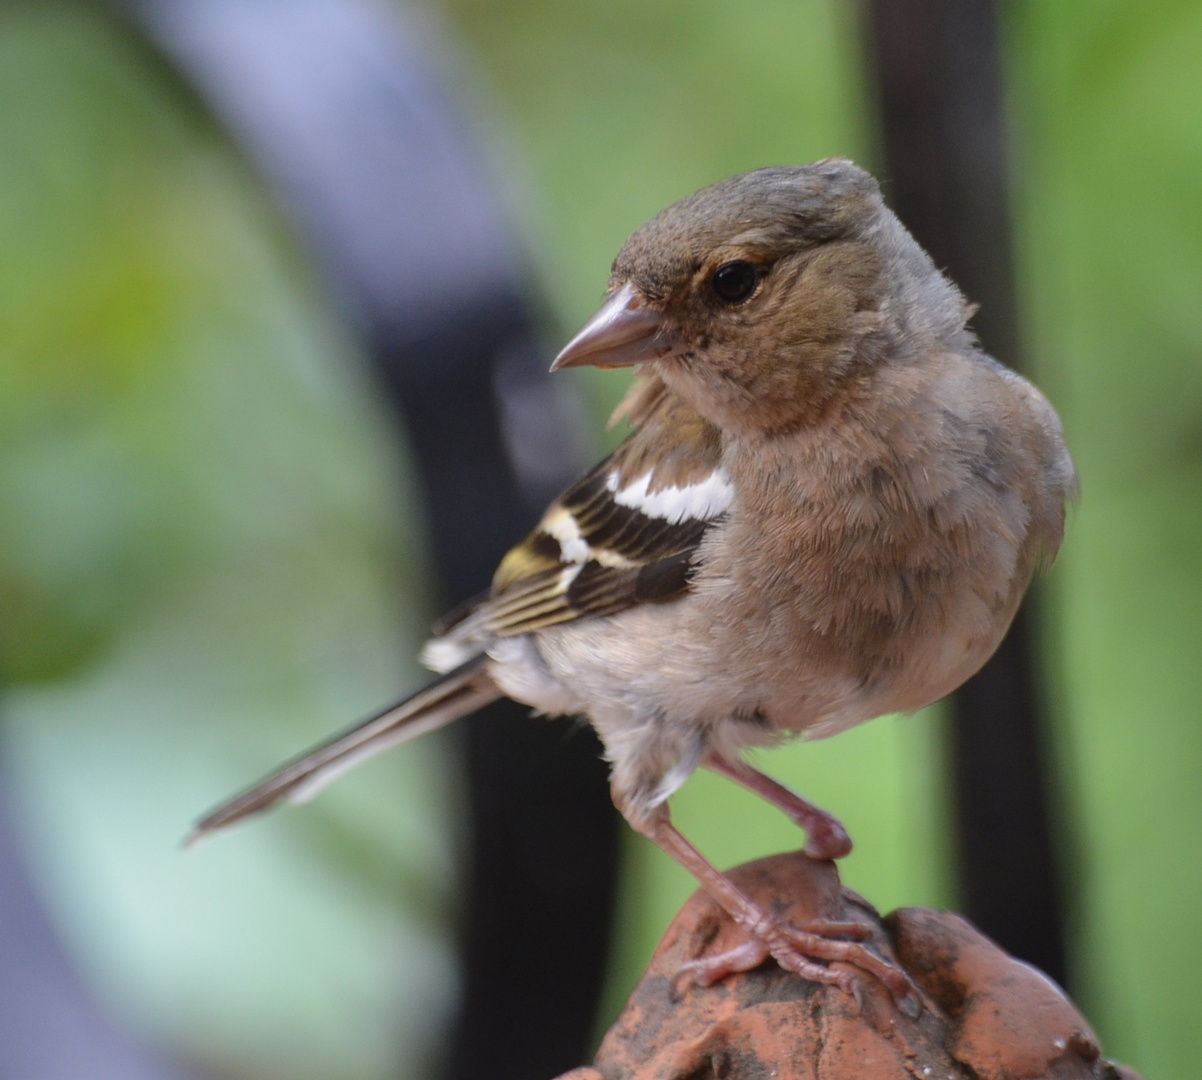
(886, 575)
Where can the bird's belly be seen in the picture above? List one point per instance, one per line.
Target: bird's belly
(771, 677)
(520, 671)
(663, 687)
(933, 669)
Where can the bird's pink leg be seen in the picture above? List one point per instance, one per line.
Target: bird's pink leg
(796, 949)
(825, 836)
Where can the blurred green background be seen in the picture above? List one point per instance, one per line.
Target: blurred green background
(210, 554)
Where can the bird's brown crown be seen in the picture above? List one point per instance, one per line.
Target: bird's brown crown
(773, 292)
(764, 215)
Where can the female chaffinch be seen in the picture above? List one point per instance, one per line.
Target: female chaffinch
(829, 508)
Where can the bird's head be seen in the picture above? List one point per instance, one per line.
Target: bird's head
(758, 298)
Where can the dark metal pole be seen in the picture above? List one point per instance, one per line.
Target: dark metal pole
(938, 73)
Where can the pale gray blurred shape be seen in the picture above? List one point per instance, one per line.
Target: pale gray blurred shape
(338, 102)
(542, 421)
(341, 105)
(50, 1028)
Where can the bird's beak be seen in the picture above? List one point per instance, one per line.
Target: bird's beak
(625, 331)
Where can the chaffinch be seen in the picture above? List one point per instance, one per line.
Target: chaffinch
(829, 508)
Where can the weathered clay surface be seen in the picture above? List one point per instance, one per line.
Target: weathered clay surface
(986, 1016)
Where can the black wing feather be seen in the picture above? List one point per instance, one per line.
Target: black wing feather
(592, 556)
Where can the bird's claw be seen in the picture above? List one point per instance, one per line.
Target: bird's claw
(838, 928)
(798, 950)
(707, 970)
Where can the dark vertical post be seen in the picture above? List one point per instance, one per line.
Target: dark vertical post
(938, 73)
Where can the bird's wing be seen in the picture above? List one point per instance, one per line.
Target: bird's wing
(626, 534)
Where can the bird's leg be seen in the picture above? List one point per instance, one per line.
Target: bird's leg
(796, 949)
(825, 836)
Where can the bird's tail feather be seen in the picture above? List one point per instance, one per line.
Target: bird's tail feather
(450, 696)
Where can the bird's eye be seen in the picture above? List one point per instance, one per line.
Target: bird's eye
(734, 281)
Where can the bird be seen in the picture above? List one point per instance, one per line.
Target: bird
(828, 507)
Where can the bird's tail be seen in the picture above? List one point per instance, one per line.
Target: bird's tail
(455, 694)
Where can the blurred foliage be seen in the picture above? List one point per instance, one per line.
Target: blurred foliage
(1109, 108)
(202, 564)
(202, 559)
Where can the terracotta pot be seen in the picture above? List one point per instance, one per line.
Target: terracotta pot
(985, 1016)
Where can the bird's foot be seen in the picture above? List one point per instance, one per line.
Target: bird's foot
(826, 838)
(805, 950)
(800, 950)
